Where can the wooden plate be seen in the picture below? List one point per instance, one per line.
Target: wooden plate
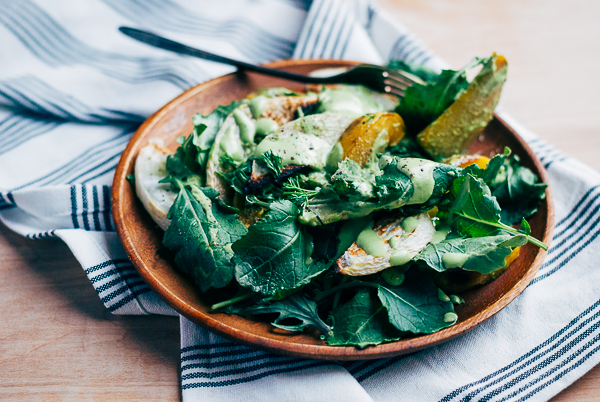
(142, 238)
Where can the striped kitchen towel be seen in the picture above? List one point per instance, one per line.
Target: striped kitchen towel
(72, 92)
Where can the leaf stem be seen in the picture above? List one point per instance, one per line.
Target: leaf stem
(510, 229)
(344, 286)
(229, 302)
(336, 298)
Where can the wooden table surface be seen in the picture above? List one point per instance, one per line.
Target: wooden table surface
(58, 342)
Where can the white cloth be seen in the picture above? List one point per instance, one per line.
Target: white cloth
(72, 91)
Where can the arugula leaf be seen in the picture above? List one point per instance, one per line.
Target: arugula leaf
(518, 191)
(481, 254)
(200, 234)
(362, 322)
(423, 103)
(414, 306)
(273, 255)
(476, 213)
(296, 306)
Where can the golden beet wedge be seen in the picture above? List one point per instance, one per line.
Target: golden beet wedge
(465, 119)
(467, 160)
(371, 133)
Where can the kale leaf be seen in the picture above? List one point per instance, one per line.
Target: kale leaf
(274, 255)
(414, 306)
(326, 241)
(474, 207)
(191, 156)
(362, 322)
(177, 163)
(475, 212)
(423, 103)
(200, 234)
(296, 306)
(518, 191)
(481, 254)
(213, 122)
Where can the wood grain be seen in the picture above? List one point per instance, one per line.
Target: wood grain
(52, 318)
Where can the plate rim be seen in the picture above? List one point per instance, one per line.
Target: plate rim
(322, 352)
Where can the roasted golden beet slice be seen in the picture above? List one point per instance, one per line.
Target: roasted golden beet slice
(463, 121)
(371, 133)
(466, 160)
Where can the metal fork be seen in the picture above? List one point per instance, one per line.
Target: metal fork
(375, 77)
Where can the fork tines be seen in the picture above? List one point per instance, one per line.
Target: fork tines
(397, 81)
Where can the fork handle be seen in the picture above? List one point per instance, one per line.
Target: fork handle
(167, 44)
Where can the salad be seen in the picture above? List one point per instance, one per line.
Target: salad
(348, 211)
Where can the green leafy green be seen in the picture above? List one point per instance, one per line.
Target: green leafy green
(408, 147)
(393, 185)
(474, 207)
(362, 322)
(481, 254)
(392, 189)
(326, 242)
(475, 212)
(191, 156)
(238, 177)
(518, 191)
(490, 173)
(352, 181)
(200, 234)
(423, 103)
(176, 165)
(296, 306)
(237, 303)
(274, 255)
(281, 267)
(213, 122)
(414, 306)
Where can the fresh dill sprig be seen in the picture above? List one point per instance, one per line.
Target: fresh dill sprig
(273, 162)
(293, 191)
